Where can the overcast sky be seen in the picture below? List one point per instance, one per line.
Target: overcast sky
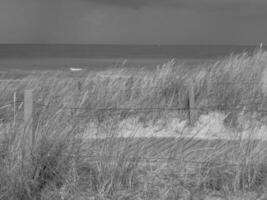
(134, 21)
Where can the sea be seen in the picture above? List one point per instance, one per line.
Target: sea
(94, 57)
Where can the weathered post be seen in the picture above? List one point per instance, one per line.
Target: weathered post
(191, 102)
(14, 108)
(28, 118)
(209, 81)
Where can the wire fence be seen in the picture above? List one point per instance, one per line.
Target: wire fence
(18, 105)
(253, 104)
(141, 109)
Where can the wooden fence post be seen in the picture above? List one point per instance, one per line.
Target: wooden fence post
(28, 118)
(209, 81)
(14, 108)
(191, 101)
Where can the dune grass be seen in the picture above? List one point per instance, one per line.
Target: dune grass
(232, 83)
(63, 165)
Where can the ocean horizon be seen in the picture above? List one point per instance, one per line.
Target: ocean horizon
(64, 56)
(120, 51)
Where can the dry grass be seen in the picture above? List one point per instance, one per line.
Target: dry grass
(230, 83)
(61, 165)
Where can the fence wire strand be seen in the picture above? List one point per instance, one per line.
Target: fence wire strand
(146, 109)
(239, 107)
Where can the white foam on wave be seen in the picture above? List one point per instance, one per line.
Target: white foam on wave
(75, 69)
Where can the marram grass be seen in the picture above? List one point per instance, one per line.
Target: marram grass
(62, 165)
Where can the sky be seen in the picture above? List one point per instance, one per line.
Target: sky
(241, 22)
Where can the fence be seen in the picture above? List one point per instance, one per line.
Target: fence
(191, 108)
(29, 105)
(28, 102)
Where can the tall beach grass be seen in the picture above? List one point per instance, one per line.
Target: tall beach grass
(64, 165)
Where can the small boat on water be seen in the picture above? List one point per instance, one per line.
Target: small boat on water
(75, 69)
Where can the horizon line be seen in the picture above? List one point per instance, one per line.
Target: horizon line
(130, 44)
